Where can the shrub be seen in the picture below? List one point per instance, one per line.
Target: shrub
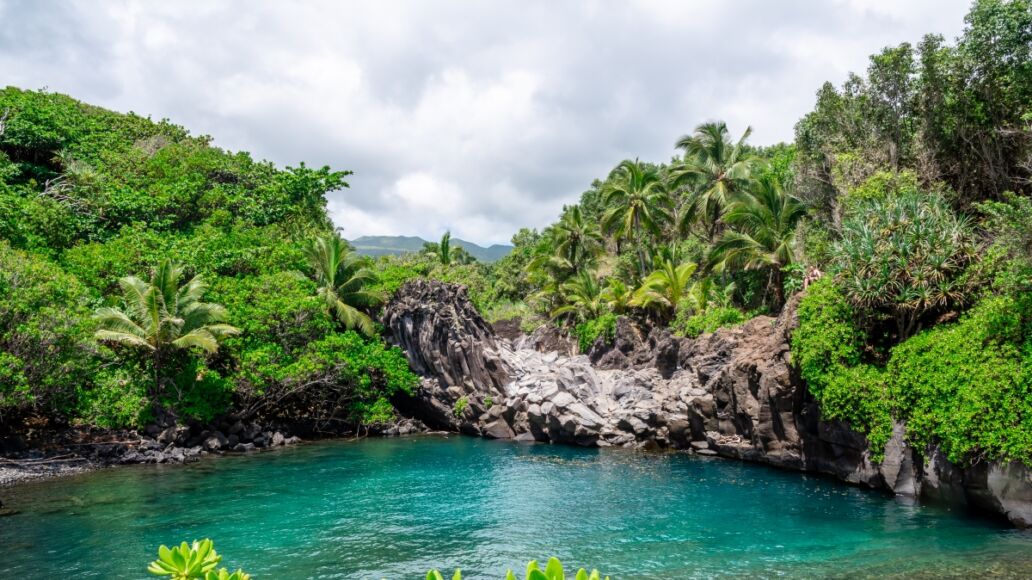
(709, 320)
(342, 377)
(461, 404)
(827, 337)
(46, 352)
(827, 348)
(965, 386)
(116, 399)
(588, 332)
(968, 386)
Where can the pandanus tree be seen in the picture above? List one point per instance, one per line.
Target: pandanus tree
(904, 257)
(712, 171)
(638, 203)
(341, 281)
(761, 234)
(163, 317)
(664, 288)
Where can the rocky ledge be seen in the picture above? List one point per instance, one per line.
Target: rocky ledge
(71, 451)
(733, 393)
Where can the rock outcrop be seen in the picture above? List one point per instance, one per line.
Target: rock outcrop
(733, 393)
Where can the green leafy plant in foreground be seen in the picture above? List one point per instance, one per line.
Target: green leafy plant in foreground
(189, 561)
(553, 571)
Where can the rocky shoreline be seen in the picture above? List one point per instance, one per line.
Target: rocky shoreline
(733, 393)
(75, 450)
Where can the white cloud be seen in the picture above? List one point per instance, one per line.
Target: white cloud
(475, 116)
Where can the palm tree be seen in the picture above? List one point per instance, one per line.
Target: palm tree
(444, 252)
(163, 316)
(705, 293)
(582, 296)
(618, 296)
(639, 204)
(713, 170)
(762, 230)
(664, 287)
(578, 241)
(341, 279)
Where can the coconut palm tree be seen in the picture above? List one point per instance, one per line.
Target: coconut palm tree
(638, 203)
(578, 241)
(341, 280)
(761, 233)
(163, 316)
(582, 296)
(665, 287)
(713, 170)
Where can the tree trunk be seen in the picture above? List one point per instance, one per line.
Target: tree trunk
(778, 279)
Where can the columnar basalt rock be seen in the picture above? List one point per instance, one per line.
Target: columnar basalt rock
(732, 393)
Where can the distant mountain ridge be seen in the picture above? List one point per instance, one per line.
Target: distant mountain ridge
(385, 245)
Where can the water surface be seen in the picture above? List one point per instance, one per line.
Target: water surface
(394, 508)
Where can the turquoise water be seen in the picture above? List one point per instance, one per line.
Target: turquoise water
(394, 508)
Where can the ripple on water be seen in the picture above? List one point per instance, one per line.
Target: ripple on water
(394, 508)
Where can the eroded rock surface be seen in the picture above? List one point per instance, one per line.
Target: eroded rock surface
(733, 393)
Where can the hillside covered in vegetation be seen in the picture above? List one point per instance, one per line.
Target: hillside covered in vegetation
(144, 271)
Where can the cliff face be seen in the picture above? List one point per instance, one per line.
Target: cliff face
(733, 393)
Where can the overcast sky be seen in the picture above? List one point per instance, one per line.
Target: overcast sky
(478, 116)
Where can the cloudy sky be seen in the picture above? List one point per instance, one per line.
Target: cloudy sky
(478, 116)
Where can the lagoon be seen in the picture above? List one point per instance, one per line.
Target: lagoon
(393, 508)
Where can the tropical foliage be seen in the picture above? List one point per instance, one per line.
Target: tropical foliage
(192, 561)
(902, 208)
(341, 282)
(163, 316)
(174, 246)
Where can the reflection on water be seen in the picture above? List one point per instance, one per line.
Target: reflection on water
(394, 508)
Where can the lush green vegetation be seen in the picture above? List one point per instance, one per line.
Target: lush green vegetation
(907, 189)
(145, 272)
(922, 169)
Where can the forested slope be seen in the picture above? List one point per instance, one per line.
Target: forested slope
(89, 197)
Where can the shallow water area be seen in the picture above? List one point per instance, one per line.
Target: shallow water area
(393, 508)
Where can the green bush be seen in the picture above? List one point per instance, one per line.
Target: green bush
(46, 349)
(827, 338)
(827, 349)
(968, 386)
(588, 332)
(714, 317)
(198, 561)
(460, 406)
(116, 399)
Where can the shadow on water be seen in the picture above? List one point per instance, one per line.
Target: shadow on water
(394, 508)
